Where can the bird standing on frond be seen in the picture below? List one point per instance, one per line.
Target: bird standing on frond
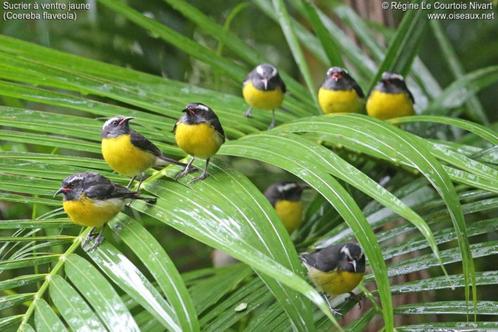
(128, 152)
(91, 200)
(336, 269)
(263, 88)
(199, 133)
(340, 93)
(285, 197)
(390, 98)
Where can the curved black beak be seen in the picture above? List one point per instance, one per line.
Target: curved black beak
(336, 76)
(58, 191)
(188, 111)
(265, 83)
(125, 120)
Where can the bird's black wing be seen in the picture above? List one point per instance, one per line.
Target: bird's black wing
(213, 120)
(325, 260)
(283, 87)
(358, 90)
(403, 86)
(143, 143)
(146, 145)
(123, 192)
(102, 191)
(110, 190)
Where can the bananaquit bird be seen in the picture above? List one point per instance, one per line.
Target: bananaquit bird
(285, 197)
(127, 152)
(91, 199)
(199, 133)
(263, 88)
(390, 98)
(340, 93)
(336, 269)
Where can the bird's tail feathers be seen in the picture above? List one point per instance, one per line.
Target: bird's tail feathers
(136, 195)
(162, 160)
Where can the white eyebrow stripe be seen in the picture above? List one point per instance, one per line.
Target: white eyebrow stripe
(345, 250)
(259, 70)
(109, 121)
(203, 107)
(273, 71)
(75, 178)
(392, 76)
(286, 187)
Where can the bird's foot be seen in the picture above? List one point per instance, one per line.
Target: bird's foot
(152, 200)
(131, 182)
(248, 113)
(335, 312)
(187, 170)
(332, 309)
(356, 297)
(272, 124)
(200, 177)
(93, 240)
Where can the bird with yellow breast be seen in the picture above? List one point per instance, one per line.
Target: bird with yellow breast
(199, 133)
(263, 89)
(128, 152)
(390, 98)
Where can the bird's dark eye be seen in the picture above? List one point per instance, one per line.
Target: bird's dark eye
(115, 122)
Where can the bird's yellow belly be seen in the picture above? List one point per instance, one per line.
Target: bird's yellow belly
(335, 282)
(290, 213)
(93, 213)
(339, 101)
(267, 100)
(198, 140)
(124, 157)
(389, 105)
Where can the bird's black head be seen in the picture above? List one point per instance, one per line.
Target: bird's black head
(265, 77)
(197, 113)
(351, 258)
(266, 71)
(73, 186)
(116, 126)
(285, 190)
(337, 73)
(338, 78)
(392, 83)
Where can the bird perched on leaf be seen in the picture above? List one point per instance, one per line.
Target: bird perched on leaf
(390, 98)
(199, 133)
(263, 88)
(340, 93)
(336, 269)
(128, 152)
(91, 200)
(285, 197)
